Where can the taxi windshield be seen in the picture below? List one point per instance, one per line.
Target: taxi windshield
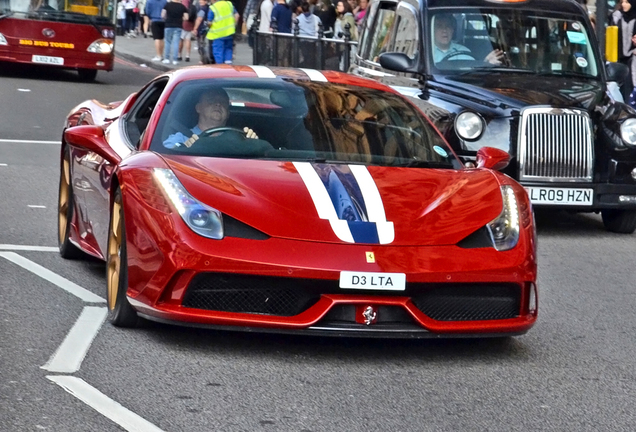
(298, 120)
(507, 40)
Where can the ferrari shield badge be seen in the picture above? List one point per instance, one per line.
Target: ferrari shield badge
(370, 257)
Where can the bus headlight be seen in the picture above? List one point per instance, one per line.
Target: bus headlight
(3, 40)
(101, 46)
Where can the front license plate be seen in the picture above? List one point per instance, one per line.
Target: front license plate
(47, 60)
(560, 196)
(373, 281)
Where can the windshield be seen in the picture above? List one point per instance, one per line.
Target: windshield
(511, 41)
(298, 120)
(78, 11)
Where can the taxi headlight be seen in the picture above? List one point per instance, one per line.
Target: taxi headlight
(202, 219)
(504, 230)
(101, 46)
(3, 40)
(469, 126)
(628, 131)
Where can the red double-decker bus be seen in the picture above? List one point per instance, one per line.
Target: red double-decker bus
(71, 34)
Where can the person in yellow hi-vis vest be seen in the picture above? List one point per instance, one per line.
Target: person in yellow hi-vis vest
(223, 19)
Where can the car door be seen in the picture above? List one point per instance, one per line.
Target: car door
(123, 136)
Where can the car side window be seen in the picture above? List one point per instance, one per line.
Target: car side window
(381, 34)
(406, 31)
(139, 115)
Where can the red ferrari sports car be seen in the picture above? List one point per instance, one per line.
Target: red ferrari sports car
(293, 200)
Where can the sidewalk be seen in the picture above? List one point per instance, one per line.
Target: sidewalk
(141, 50)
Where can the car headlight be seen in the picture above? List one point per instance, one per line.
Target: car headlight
(504, 230)
(101, 46)
(201, 219)
(628, 131)
(3, 40)
(469, 126)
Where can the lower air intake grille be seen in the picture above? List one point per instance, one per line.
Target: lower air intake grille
(469, 302)
(254, 294)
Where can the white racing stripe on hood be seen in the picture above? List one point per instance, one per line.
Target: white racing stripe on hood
(315, 75)
(373, 202)
(322, 201)
(263, 72)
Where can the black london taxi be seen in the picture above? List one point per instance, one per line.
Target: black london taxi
(524, 76)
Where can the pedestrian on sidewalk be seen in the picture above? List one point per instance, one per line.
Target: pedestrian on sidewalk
(266, 15)
(174, 13)
(307, 22)
(143, 19)
(154, 10)
(130, 6)
(186, 32)
(626, 22)
(201, 30)
(282, 14)
(223, 19)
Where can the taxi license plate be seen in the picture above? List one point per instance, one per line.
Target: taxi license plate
(47, 60)
(560, 196)
(373, 281)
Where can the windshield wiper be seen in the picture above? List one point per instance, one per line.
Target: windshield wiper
(568, 74)
(422, 164)
(491, 69)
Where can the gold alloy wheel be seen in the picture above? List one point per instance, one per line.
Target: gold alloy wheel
(62, 216)
(114, 253)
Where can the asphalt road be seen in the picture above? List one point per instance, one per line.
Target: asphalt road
(574, 371)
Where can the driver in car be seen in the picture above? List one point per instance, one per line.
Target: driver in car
(213, 109)
(444, 46)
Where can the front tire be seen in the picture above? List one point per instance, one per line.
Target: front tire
(120, 312)
(87, 75)
(65, 211)
(619, 221)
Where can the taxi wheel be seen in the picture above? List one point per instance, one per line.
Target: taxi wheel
(87, 75)
(619, 221)
(65, 210)
(120, 312)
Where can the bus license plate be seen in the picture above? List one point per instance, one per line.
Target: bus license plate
(47, 60)
(373, 281)
(560, 196)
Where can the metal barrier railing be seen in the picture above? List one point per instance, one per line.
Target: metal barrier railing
(291, 49)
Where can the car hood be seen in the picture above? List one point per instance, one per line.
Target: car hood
(344, 203)
(517, 91)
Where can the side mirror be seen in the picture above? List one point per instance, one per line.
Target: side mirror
(398, 61)
(492, 158)
(617, 72)
(91, 138)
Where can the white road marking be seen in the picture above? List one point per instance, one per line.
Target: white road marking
(17, 141)
(103, 404)
(3, 165)
(70, 354)
(35, 206)
(29, 248)
(54, 278)
(24, 90)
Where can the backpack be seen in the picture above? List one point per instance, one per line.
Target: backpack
(192, 12)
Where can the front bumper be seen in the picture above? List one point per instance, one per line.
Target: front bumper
(72, 60)
(161, 285)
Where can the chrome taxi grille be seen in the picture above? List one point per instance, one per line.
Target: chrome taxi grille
(555, 145)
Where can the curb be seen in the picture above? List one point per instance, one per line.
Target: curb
(140, 60)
